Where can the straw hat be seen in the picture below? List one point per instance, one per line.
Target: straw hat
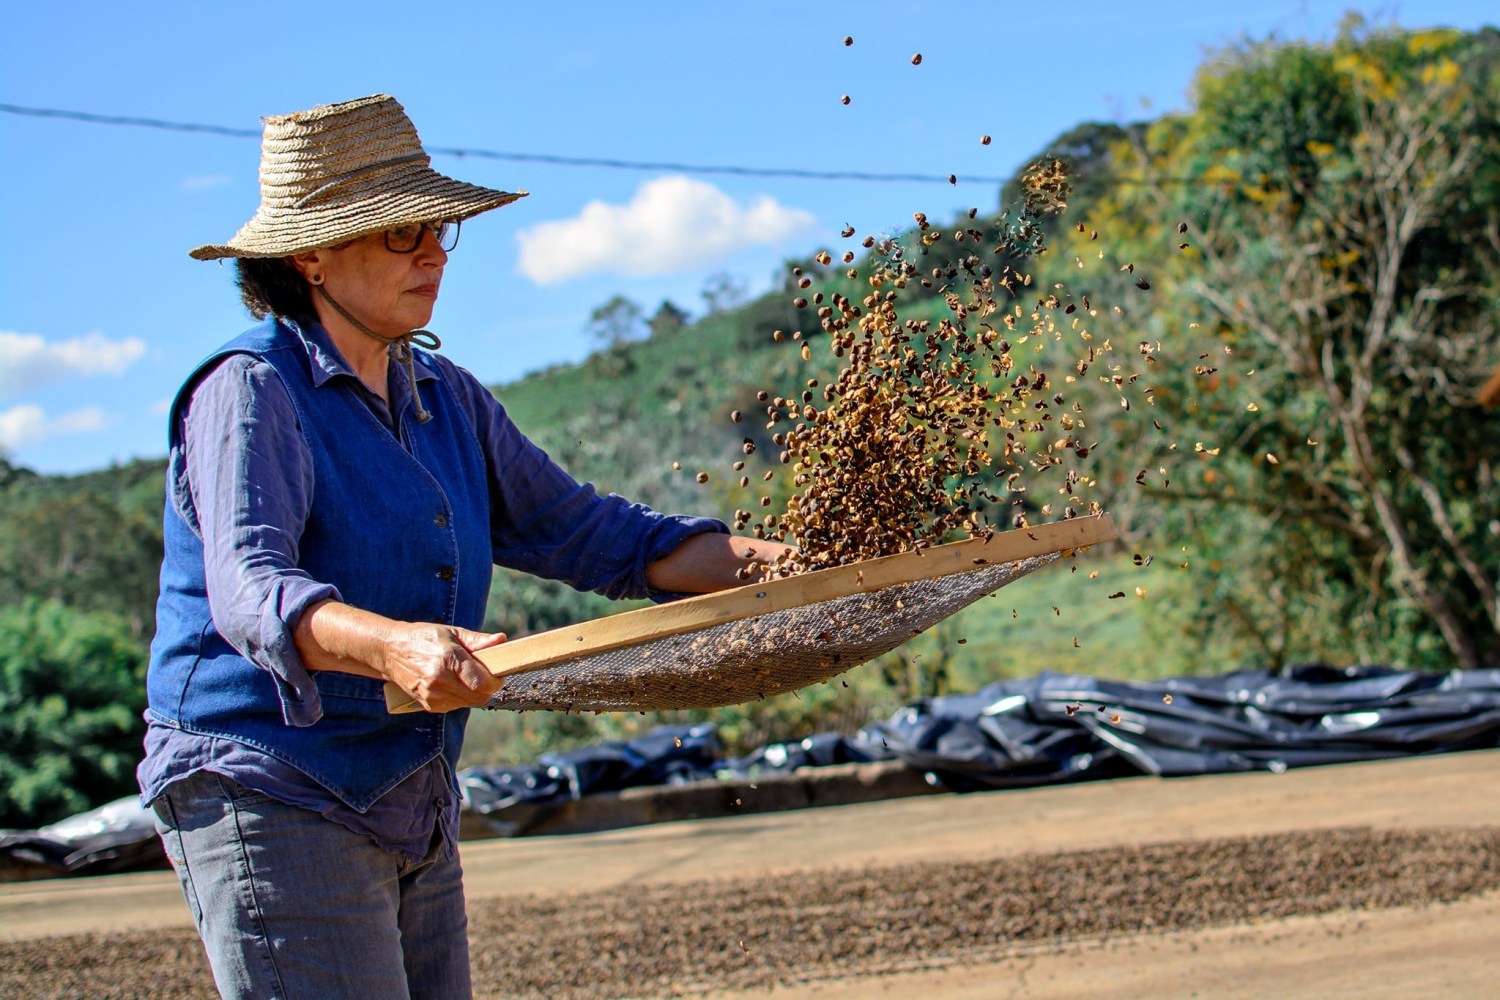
(342, 170)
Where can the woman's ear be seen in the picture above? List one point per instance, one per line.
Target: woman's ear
(309, 264)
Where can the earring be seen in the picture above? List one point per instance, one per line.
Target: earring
(315, 279)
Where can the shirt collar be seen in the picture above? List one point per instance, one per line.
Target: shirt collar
(325, 359)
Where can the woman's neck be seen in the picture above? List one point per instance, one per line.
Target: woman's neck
(364, 354)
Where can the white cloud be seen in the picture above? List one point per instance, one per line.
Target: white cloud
(672, 224)
(204, 182)
(25, 425)
(27, 361)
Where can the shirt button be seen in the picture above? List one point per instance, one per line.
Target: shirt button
(446, 573)
(441, 520)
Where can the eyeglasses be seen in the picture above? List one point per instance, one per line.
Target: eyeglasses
(406, 239)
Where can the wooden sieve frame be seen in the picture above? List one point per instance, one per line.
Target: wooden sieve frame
(601, 635)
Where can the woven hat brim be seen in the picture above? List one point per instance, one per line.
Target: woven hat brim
(421, 197)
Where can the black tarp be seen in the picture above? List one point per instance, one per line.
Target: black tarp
(1059, 727)
(511, 795)
(1017, 733)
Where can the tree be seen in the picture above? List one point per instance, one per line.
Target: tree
(668, 319)
(84, 549)
(10, 474)
(1345, 202)
(71, 696)
(722, 292)
(616, 322)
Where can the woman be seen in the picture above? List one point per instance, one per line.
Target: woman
(336, 501)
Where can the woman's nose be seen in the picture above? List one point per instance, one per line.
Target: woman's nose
(430, 252)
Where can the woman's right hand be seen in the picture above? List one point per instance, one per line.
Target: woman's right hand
(435, 664)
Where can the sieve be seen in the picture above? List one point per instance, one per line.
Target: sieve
(751, 642)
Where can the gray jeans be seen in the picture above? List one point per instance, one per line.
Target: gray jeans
(291, 905)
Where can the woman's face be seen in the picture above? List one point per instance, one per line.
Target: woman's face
(391, 293)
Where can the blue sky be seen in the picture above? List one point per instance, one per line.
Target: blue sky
(102, 313)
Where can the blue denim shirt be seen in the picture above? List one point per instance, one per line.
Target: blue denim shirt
(242, 473)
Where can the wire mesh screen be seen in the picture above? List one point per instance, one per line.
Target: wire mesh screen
(754, 658)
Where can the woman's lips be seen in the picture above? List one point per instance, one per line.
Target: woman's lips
(426, 291)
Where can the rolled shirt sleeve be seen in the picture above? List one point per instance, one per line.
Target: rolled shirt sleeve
(546, 523)
(249, 476)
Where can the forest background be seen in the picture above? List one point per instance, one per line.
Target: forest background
(1305, 270)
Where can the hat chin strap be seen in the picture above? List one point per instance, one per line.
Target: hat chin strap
(398, 348)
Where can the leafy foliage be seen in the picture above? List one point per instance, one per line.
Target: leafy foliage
(92, 542)
(1343, 274)
(617, 322)
(71, 696)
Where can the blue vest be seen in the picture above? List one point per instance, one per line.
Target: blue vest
(403, 534)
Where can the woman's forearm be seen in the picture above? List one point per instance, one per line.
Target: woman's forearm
(335, 636)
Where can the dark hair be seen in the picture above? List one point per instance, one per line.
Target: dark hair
(271, 285)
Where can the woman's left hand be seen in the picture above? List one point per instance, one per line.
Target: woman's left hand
(710, 562)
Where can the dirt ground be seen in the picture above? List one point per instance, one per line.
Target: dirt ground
(1366, 880)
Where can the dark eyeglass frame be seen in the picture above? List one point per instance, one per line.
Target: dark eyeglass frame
(445, 231)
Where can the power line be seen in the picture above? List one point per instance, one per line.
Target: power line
(491, 154)
(93, 119)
